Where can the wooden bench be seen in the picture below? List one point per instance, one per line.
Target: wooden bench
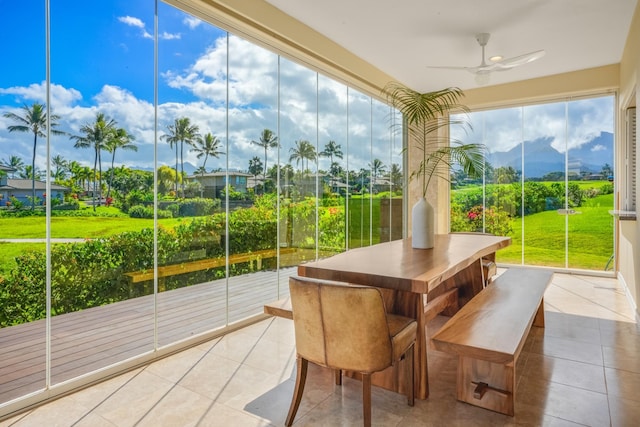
(280, 308)
(205, 264)
(488, 334)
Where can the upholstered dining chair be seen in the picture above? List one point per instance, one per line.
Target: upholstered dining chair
(345, 327)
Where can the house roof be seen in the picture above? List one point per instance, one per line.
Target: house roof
(214, 174)
(25, 184)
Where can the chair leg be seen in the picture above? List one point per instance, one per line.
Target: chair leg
(366, 399)
(338, 373)
(411, 384)
(301, 377)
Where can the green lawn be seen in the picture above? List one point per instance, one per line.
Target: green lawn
(75, 227)
(65, 228)
(590, 241)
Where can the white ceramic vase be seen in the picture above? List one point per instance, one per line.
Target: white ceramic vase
(422, 225)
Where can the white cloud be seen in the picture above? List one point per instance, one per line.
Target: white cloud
(599, 147)
(36, 92)
(130, 20)
(580, 122)
(168, 36)
(191, 22)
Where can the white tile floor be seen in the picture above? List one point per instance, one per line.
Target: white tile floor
(582, 369)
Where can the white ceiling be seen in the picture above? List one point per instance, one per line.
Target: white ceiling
(404, 37)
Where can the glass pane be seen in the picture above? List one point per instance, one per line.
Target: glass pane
(492, 204)
(22, 170)
(381, 186)
(192, 149)
(396, 178)
(103, 92)
(590, 186)
(252, 205)
(360, 170)
(544, 177)
(298, 157)
(332, 128)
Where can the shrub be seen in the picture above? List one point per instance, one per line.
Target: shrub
(139, 211)
(198, 207)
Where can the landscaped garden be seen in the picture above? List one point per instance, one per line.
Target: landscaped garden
(585, 241)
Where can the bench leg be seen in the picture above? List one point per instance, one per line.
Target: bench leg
(487, 385)
(539, 319)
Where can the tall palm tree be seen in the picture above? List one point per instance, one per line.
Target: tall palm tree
(303, 150)
(255, 167)
(34, 119)
(179, 132)
(95, 136)
(28, 173)
(206, 146)
(377, 169)
(395, 175)
(61, 166)
(16, 163)
(268, 139)
(331, 150)
(119, 139)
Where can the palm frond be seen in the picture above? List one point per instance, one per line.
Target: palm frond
(427, 116)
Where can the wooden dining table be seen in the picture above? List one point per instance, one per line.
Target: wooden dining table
(418, 283)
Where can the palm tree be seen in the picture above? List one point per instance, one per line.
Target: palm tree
(95, 136)
(28, 173)
(181, 131)
(377, 168)
(206, 146)
(303, 150)
(331, 150)
(395, 176)
(16, 163)
(119, 139)
(34, 119)
(61, 167)
(255, 167)
(267, 140)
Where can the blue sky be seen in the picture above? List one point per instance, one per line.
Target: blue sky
(102, 60)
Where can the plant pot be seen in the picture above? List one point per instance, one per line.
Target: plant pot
(422, 225)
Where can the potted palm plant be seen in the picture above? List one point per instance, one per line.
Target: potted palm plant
(426, 118)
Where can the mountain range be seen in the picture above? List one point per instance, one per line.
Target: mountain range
(542, 158)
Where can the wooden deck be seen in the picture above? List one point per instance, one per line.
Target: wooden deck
(91, 339)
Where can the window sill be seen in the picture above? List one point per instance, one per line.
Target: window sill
(624, 215)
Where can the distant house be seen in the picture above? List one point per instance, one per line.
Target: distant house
(254, 181)
(214, 182)
(595, 177)
(21, 190)
(381, 185)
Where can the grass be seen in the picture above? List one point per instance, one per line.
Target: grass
(75, 227)
(590, 242)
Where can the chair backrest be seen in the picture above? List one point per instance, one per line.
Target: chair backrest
(339, 325)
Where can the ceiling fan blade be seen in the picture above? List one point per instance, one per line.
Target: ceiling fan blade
(486, 68)
(516, 61)
(472, 70)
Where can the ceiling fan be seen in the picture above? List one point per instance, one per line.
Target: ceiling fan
(496, 63)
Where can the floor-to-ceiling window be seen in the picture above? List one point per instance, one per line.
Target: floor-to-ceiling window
(180, 176)
(548, 182)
